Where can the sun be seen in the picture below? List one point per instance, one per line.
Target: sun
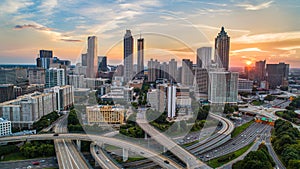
(248, 62)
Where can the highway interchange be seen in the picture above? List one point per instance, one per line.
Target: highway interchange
(69, 157)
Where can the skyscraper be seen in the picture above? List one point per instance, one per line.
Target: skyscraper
(153, 70)
(187, 76)
(172, 70)
(260, 70)
(222, 44)
(84, 59)
(140, 56)
(171, 101)
(91, 56)
(223, 87)
(128, 56)
(102, 63)
(203, 57)
(45, 59)
(277, 74)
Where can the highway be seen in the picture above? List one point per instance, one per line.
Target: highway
(67, 155)
(99, 140)
(216, 139)
(101, 158)
(54, 123)
(190, 160)
(242, 140)
(272, 152)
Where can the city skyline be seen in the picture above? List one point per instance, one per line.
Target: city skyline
(24, 30)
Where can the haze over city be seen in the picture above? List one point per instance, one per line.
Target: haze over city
(258, 29)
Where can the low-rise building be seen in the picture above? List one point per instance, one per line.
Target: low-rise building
(105, 114)
(5, 127)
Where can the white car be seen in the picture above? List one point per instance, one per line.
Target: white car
(29, 167)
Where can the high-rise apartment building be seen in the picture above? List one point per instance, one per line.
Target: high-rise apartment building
(128, 56)
(204, 57)
(55, 77)
(153, 70)
(140, 56)
(187, 76)
(277, 74)
(201, 82)
(91, 56)
(222, 45)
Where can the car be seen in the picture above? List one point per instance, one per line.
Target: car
(233, 143)
(35, 163)
(207, 156)
(142, 152)
(56, 134)
(42, 161)
(167, 162)
(107, 160)
(28, 167)
(97, 152)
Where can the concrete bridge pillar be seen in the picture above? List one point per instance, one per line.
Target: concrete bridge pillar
(165, 149)
(125, 154)
(78, 143)
(146, 136)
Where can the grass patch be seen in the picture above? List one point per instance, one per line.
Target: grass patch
(257, 103)
(217, 162)
(130, 159)
(111, 148)
(14, 157)
(191, 143)
(238, 130)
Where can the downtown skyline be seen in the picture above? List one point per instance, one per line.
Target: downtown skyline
(176, 29)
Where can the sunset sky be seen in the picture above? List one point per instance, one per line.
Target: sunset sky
(259, 29)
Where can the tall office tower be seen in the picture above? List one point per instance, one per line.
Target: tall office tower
(204, 57)
(140, 56)
(277, 74)
(84, 59)
(222, 44)
(36, 75)
(223, 87)
(171, 101)
(55, 77)
(45, 59)
(187, 75)
(128, 56)
(172, 70)
(260, 71)
(91, 56)
(153, 70)
(102, 64)
(164, 70)
(201, 82)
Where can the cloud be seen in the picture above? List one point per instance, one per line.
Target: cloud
(71, 40)
(268, 37)
(9, 6)
(47, 7)
(251, 7)
(248, 50)
(36, 27)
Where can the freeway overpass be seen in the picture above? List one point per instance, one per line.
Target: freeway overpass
(100, 140)
(190, 160)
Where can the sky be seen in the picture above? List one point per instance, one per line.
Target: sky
(258, 29)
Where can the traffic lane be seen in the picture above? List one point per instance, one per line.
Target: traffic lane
(49, 162)
(240, 141)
